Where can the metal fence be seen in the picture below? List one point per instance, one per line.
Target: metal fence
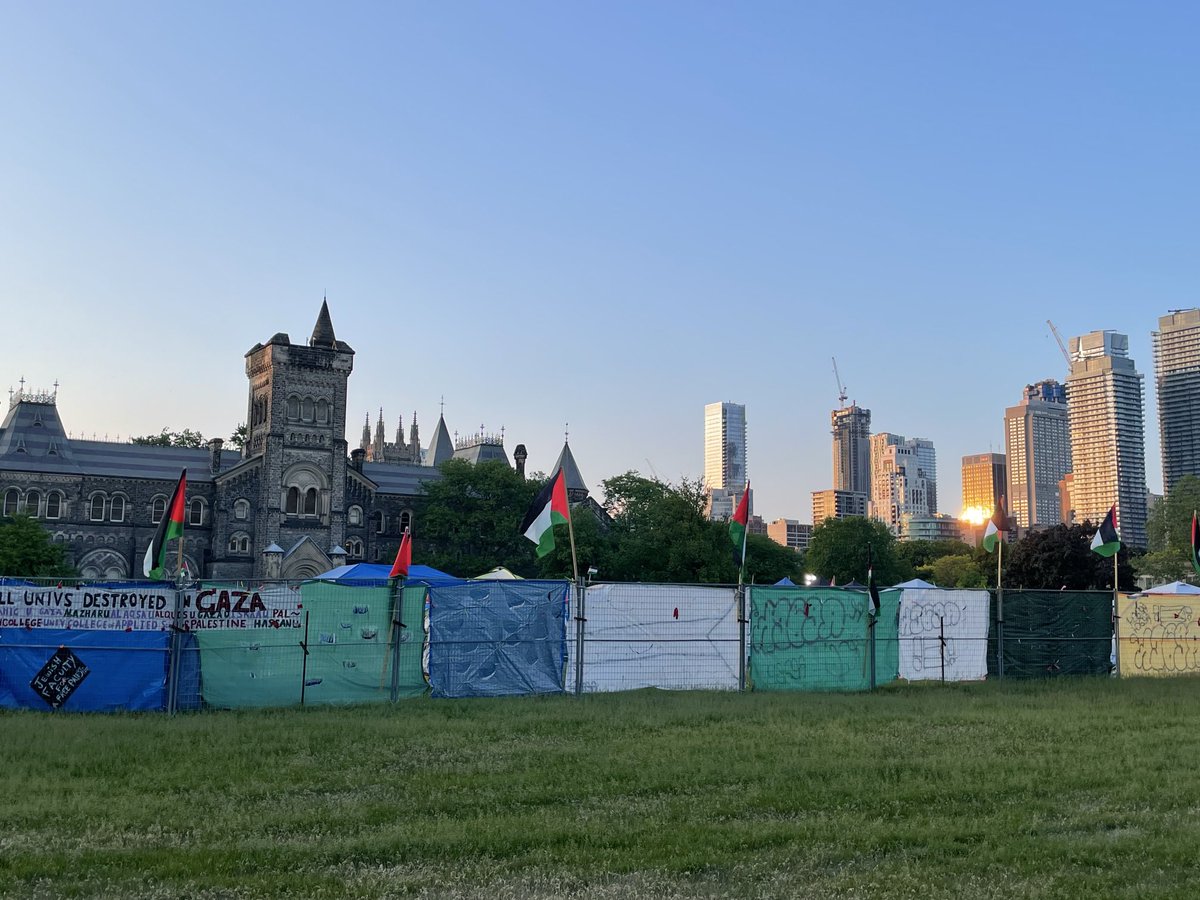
(149, 646)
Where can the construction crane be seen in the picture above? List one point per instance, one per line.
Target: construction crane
(1061, 345)
(841, 387)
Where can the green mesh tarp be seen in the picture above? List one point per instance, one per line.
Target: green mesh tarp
(815, 639)
(256, 663)
(1048, 633)
(887, 638)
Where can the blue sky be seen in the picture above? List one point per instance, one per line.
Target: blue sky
(607, 214)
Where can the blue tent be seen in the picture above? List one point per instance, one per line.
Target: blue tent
(785, 582)
(377, 573)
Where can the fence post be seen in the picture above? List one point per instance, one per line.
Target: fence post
(942, 644)
(999, 631)
(398, 627)
(580, 621)
(176, 648)
(741, 614)
(304, 659)
(872, 621)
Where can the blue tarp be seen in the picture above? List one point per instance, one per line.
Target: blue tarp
(124, 670)
(378, 573)
(495, 638)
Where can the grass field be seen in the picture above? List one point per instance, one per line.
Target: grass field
(1071, 788)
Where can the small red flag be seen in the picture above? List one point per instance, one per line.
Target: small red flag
(403, 557)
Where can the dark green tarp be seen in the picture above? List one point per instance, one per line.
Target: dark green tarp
(1049, 633)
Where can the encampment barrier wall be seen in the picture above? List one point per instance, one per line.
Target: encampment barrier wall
(149, 646)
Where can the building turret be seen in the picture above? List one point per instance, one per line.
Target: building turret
(414, 440)
(366, 435)
(323, 335)
(441, 448)
(577, 491)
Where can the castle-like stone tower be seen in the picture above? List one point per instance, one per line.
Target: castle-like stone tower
(296, 429)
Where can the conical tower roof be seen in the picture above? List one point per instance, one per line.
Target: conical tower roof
(576, 489)
(441, 448)
(323, 335)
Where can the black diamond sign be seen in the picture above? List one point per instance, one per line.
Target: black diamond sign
(59, 677)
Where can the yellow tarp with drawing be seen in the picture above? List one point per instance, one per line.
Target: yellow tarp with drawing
(1159, 634)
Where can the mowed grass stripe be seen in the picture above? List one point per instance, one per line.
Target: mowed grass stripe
(1073, 787)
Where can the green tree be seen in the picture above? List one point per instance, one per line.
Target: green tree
(661, 534)
(593, 547)
(1061, 558)
(1169, 534)
(768, 562)
(838, 549)
(27, 551)
(958, 570)
(470, 520)
(919, 556)
(238, 438)
(165, 438)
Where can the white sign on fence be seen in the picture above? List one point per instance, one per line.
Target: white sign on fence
(929, 616)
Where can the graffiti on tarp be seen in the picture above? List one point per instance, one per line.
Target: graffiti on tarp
(1160, 636)
(809, 641)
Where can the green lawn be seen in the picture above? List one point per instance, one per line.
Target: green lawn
(1070, 788)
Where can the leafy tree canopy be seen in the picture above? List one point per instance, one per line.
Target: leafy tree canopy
(839, 550)
(27, 551)
(958, 570)
(238, 438)
(1061, 558)
(166, 438)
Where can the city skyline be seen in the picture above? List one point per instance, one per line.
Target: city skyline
(200, 185)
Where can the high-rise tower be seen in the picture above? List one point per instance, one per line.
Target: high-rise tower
(1177, 383)
(1108, 455)
(725, 471)
(984, 482)
(1037, 438)
(903, 479)
(851, 449)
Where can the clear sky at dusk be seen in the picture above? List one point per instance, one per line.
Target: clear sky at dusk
(608, 214)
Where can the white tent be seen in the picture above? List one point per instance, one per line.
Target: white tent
(916, 583)
(499, 574)
(1175, 587)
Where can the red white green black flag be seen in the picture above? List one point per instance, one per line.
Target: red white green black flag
(1107, 541)
(549, 508)
(997, 526)
(737, 527)
(170, 527)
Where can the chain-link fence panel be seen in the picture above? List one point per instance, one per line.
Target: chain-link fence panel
(670, 636)
(497, 638)
(809, 639)
(943, 635)
(1051, 633)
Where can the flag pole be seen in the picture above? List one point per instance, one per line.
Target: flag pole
(741, 599)
(999, 609)
(179, 560)
(580, 592)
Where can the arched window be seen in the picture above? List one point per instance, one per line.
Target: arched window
(239, 542)
(196, 512)
(158, 509)
(292, 507)
(293, 408)
(354, 515)
(117, 509)
(380, 522)
(96, 509)
(405, 521)
(53, 505)
(322, 411)
(12, 498)
(354, 548)
(241, 509)
(33, 502)
(310, 502)
(306, 409)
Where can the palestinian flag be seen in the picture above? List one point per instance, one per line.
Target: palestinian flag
(1195, 544)
(549, 508)
(737, 528)
(403, 557)
(998, 525)
(155, 562)
(1107, 541)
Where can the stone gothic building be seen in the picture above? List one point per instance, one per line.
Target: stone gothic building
(293, 503)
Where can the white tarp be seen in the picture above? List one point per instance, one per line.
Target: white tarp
(676, 637)
(961, 617)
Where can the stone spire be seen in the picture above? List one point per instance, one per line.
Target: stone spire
(379, 437)
(366, 437)
(441, 448)
(414, 439)
(400, 432)
(323, 335)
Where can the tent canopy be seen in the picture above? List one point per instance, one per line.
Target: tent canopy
(785, 582)
(499, 574)
(1175, 587)
(377, 572)
(916, 583)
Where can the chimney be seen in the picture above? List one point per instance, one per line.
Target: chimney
(214, 454)
(356, 458)
(519, 456)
